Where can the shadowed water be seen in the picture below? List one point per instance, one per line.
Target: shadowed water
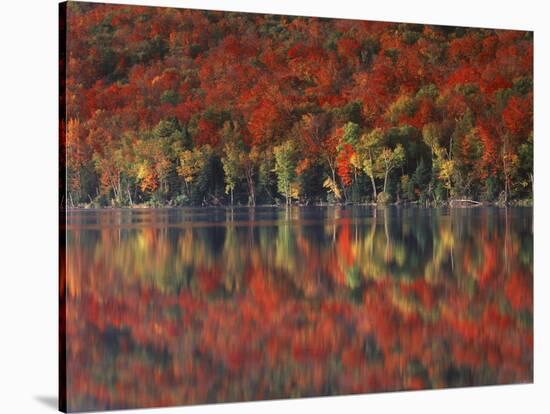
(188, 306)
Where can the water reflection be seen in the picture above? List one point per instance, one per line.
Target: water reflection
(171, 307)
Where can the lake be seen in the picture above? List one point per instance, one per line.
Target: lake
(188, 306)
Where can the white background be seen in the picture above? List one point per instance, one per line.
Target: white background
(28, 203)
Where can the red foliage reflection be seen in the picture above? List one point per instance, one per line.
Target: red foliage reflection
(166, 308)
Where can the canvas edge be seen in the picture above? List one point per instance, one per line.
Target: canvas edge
(62, 32)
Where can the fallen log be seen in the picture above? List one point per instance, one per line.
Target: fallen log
(464, 202)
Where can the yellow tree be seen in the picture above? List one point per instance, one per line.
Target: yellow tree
(446, 168)
(191, 163)
(389, 160)
(231, 166)
(370, 146)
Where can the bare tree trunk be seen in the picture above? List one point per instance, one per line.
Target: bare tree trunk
(250, 183)
(505, 168)
(355, 183)
(373, 187)
(115, 188)
(287, 195)
(333, 172)
(187, 190)
(129, 195)
(119, 188)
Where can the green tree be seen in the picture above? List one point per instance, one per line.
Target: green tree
(238, 161)
(350, 139)
(419, 181)
(231, 162)
(351, 134)
(285, 168)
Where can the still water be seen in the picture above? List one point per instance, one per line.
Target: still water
(188, 306)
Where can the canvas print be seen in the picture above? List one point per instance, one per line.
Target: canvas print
(259, 207)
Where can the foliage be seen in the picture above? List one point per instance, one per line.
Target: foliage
(285, 168)
(388, 160)
(191, 164)
(383, 198)
(363, 104)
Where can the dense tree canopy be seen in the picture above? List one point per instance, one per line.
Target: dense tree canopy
(187, 107)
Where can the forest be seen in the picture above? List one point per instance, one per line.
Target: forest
(176, 107)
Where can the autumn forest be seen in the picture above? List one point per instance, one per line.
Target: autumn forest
(295, 183)
(187, 107)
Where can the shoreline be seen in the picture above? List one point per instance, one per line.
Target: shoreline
(463, 204)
